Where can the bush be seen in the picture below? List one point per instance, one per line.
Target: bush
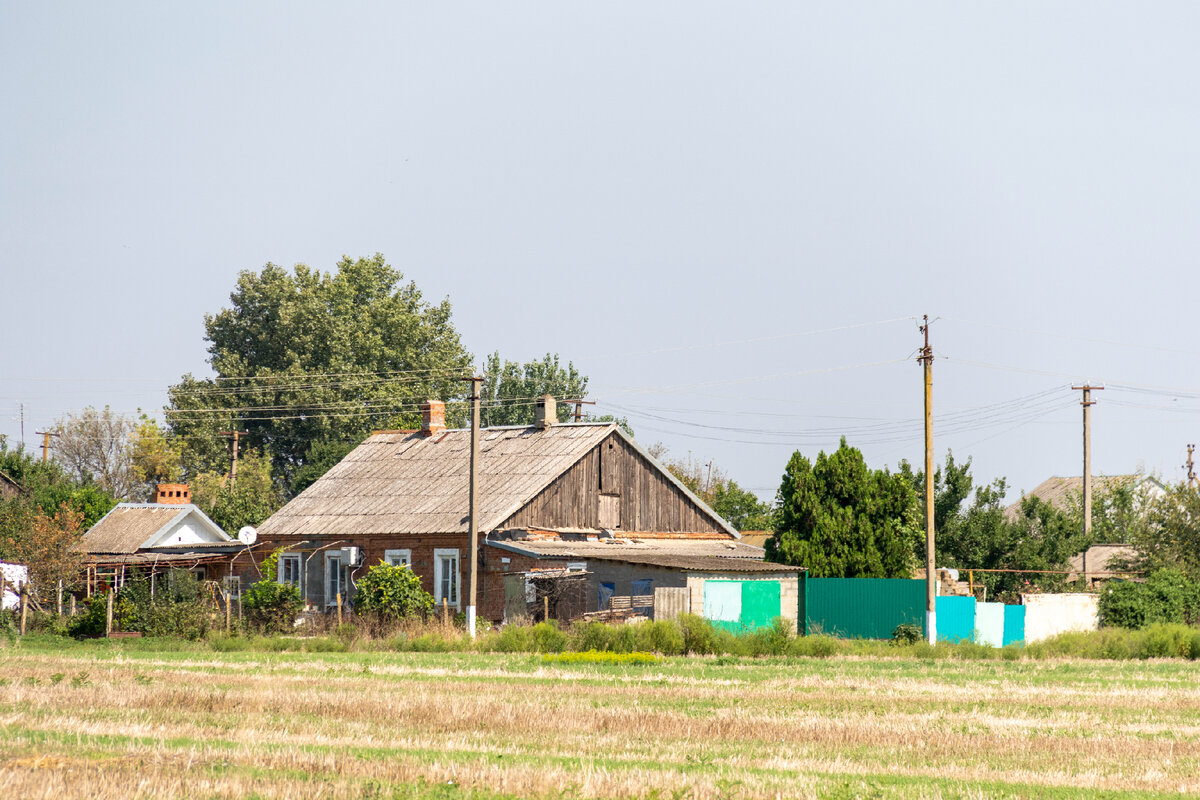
(392, 592)
(91, 622)
(699, 636)
(1166, 596)
(272, 607)
(547, 638)
(772, 640)
(906, 633)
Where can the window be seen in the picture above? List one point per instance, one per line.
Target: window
(398, 558)
(289, 569)
(577, 566)
(445, 576)
(335, 577)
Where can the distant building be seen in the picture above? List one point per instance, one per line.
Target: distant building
(1062, 493)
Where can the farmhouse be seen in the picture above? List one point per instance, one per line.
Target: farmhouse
(154, 538)
(574, 497)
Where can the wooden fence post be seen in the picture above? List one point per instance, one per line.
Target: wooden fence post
(546, 608)
(228, 612)
(108, 616)
(445, 611)
(24, 605)
(60, 591)
(339, 602)
(72, 605)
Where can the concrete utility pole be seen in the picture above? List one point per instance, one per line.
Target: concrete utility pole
(1191, 467)
(233, 466)
(45, 442)
(926, 360)
(473, 525)
(579, 404)
(1087, 404)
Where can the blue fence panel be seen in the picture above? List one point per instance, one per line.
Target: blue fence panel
(955, 619)
(1014, 624)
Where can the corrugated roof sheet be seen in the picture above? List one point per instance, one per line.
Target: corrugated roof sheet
(124, 528)
(699, 556)
(399, 482)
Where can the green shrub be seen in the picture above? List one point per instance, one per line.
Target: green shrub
(272, 607)
(587, 636)
(773, 640)
(92, 621)
(1166, 596)
(547, 638)
(906, 633)
(392, 592)
(660, 636)
(513, 639)
(815, 646)
(699, 636)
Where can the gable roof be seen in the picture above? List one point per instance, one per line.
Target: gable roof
(405, 482)
(129, 527)
(1059, 491)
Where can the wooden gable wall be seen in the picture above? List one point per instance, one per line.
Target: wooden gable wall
(614, 486)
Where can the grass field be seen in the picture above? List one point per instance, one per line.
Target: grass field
(140, 719)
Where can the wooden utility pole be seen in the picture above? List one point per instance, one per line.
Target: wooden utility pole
(233, 467)
(1087, 404)
(472, 504)
(45, 442)
(579, 404)
(1191, 467)
(926, 359)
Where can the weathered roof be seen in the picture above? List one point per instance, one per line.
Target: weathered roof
(694, 556)
(401, 482)
(1059, 491)
(130, 526)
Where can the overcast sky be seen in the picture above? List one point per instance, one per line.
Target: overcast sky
(727, 215)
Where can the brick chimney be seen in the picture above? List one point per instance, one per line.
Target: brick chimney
(172, 494)
(547, 412)
(433, 417)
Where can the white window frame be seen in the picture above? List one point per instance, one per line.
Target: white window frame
(396, 558)
(577, 566)
(339, 558)
(439, 555)
(294, 558)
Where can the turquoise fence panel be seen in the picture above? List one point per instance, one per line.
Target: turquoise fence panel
(1014, 624)
(955, 619)
(989, 624)
(862, 608)
(723, 604)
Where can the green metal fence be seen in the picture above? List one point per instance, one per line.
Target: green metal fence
(862, 608)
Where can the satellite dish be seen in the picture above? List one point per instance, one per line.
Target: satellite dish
(247, 535)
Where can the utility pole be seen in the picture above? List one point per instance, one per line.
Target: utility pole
(1191, 467)
(473, 499)
(233, 468)
(579, 404)
(22, 426)
(926, 360)
(45, 442)
(1087, 404)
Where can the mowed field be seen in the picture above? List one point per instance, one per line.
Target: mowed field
(111, 720)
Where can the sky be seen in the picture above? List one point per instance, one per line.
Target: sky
(729, 216)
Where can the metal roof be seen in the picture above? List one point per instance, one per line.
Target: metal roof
(402, 482)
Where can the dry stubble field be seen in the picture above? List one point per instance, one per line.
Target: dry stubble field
(118, 720)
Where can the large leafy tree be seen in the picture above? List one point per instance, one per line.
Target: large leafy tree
(302, 356)
(248, 500)
(977, 532)
(840, 519)
(740, 507)
(510, 388)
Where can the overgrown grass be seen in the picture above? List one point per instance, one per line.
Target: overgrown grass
(687, 635)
